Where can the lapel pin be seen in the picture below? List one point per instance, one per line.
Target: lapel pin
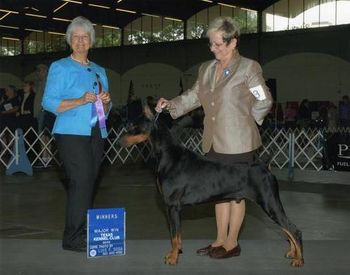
(227, 72)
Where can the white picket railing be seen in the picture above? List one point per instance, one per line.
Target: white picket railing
(301, 149)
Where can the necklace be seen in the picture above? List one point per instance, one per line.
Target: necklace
(87, 62)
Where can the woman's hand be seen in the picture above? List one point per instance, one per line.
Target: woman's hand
(88, 97)
(105, 97)
(68, 104)
(162, 104)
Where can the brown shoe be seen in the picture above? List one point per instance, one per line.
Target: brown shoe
(206, 250)
(222, 253)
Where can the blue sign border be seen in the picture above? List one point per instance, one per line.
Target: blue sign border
(106, 232)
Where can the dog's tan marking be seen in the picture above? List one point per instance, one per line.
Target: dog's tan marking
(129, 140)
(295, 252)
(173, 256)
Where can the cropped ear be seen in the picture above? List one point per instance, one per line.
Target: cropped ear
(148, 112)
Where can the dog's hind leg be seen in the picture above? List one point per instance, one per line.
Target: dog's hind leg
(275, 211)
(175, 227)
(269, 200)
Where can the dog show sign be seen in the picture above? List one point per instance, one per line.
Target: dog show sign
(338, 151)
(106, 232)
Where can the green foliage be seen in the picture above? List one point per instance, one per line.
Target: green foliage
(171, 32)
(247, 22)
(197, 31)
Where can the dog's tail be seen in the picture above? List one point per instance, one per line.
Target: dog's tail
(269, 161)
(267, 158)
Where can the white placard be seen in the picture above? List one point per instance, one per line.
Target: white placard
(8, 106)
(258, 92)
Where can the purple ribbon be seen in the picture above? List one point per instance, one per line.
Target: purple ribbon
(98, 112)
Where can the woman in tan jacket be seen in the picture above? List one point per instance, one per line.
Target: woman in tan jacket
(233, 94)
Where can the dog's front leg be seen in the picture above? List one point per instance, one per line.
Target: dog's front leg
(174, 226)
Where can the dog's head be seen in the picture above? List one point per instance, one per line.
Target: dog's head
(140, 130)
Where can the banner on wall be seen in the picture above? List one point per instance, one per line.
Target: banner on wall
(338, 151)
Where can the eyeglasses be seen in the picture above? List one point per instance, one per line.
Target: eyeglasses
(215, 45)
(84, 38)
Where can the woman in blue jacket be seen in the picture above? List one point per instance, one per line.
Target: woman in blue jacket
(76, 92)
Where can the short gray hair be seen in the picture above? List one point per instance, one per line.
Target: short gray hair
(227, 25)
(83, 22)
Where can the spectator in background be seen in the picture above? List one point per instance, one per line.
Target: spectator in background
(9, 108)
(344, 112)
(39, 113)
(321, 120)
(290, 116)
(26, 111)
(279, 115)
(304, 114)
(25, 117)
(332, 116)
(44, 118)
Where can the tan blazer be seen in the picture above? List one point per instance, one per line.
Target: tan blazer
(232, 105)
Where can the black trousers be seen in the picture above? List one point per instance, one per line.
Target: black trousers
(231, 158)
(82, 157)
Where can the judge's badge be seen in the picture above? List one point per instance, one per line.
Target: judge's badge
(258, 92)
(227, 72)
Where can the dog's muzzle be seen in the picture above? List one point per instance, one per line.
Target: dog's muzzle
(129, 140)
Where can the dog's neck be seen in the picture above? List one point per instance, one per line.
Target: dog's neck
(165, 146)
(162, 138)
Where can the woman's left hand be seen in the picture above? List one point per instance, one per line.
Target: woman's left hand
(105, 97)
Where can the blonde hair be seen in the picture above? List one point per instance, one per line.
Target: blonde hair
(227, 26)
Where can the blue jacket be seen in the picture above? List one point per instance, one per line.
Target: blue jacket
(68, 79)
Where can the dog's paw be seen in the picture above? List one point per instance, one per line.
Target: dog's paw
(291, 254)
(297, 262)
(171, 259)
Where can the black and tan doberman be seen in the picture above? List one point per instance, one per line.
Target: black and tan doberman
(186, 178)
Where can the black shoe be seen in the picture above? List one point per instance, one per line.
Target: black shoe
(222, 253)
(206, 250)
(79, 246)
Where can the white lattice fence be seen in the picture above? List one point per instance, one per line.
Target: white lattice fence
(7, 143)
(114, 153)
(275, 147)
(302, 149)
(191, 139)
(308, 149)
(40, 148)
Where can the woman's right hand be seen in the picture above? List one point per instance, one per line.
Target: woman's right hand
(67, 104)
(88, 97)
(162, 104)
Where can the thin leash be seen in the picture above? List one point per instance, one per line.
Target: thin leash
(157, 160)
(158, 113)
(156, 118)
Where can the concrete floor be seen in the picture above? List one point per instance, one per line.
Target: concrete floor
(32, 216)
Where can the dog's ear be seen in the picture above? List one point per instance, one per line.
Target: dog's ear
(149, 113)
